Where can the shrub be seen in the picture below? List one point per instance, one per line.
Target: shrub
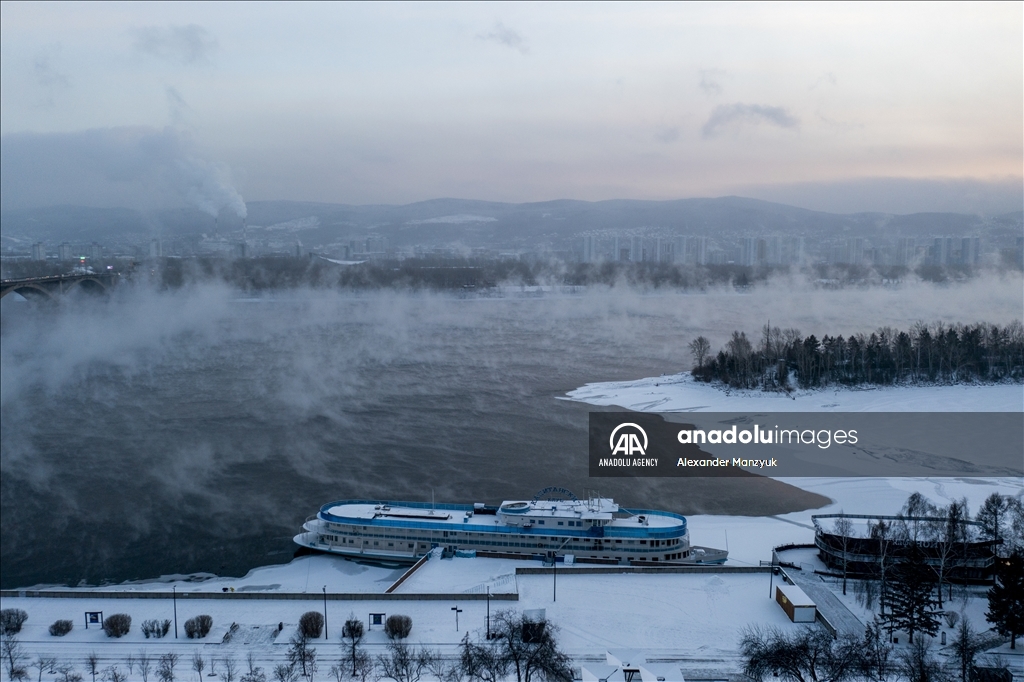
(198, 627)
(155, 628)
(397, 627)
(117, 625)
(11, 621)
(311, 624)
(61, 628)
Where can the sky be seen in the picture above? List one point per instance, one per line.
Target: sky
(840, 107)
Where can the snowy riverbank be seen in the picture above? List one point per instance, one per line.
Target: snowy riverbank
(680, 393)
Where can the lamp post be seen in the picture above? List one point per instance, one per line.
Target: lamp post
(457, 611)
(174, 600)
(488, 613)
(554, 577)
(325, 612)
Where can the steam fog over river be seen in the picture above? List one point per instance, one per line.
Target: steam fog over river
(156, 433)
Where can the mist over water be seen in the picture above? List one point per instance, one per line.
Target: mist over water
(155, 433)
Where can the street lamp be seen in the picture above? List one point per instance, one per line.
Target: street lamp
(457, 611)
(174, 600)
(488, 613)
(554, 577)
(325, 612)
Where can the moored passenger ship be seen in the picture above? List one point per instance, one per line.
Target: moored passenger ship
(594, 530)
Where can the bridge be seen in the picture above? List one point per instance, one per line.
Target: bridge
(49, 288)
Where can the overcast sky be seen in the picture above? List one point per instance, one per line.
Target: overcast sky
(830, 106)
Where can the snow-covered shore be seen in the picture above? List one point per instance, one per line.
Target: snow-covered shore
(681, 393)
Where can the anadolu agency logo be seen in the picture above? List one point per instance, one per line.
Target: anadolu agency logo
(628, 442)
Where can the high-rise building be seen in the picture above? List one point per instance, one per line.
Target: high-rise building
(589, 249)
(64, 252)
(906, 250)
(636, 249)
(154, 248)
(941, 250)
(38, 251)
(696, 250)
(854, 251)
(95, 251)
(970, 251)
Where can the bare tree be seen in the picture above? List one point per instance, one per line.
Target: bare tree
(443, 669)
(145, 664)
(807, 655)
(301, 654)
(916, 664)
(44, 664)
(536, 655)
(352, 633)
(966, 646)
(67, 673)
(880, 532)
(843, 529)
(699, 349)
(950, 537)
(284, 673)
(165, 669)
(230, 670)
(255, 673)
(483, 661)
(402, 663)
(114, 674)
(876, 655)
(92, 662)
(13, 656)
(198, 664)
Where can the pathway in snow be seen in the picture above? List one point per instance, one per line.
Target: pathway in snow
(828, 604)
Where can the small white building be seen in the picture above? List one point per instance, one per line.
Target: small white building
(795, 602)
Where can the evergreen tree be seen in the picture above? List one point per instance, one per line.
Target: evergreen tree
(1006, 598)
(992, 517)
(908, 596)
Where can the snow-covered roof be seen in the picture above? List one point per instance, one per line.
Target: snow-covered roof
(795, 595)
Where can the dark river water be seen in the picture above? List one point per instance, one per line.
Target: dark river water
(153, 434)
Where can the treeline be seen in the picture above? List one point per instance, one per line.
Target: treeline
(783, 359)
(438, 273)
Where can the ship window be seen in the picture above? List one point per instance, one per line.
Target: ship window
(643, 542)
(618, 542)
(391, 544)
(540, 523)
(410, 545)
(375, 542)
(560, 523)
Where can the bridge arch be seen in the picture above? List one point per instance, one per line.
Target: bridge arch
(92, 285)
(32, 292)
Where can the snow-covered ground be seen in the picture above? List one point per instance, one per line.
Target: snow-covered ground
(680, 393)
